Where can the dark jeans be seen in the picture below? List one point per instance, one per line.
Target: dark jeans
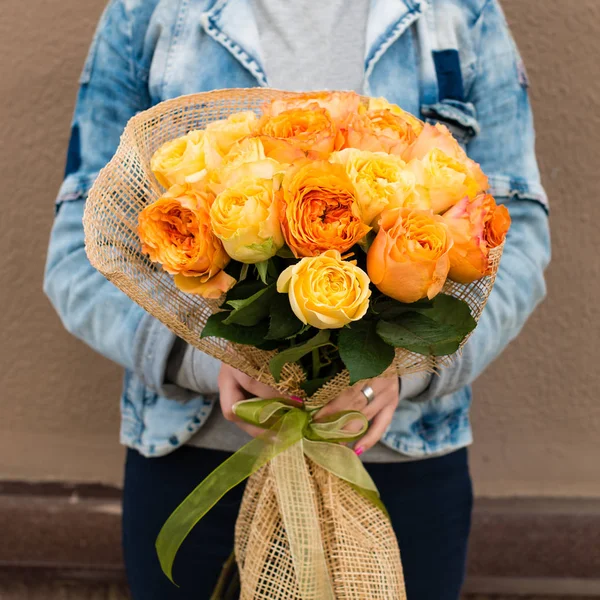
(429, 502)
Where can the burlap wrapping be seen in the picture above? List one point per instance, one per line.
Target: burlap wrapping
(361, 553)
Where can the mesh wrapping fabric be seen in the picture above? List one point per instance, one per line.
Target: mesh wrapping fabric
(359, 543)
(360, 548)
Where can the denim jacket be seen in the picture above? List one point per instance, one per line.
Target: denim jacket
(452, 61)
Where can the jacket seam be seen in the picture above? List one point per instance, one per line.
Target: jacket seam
(502, 186)
(128, 55)
(247, 60)
(478, 26)
(132, 65)
(390, 38)
(78, 190)
(173, 43)
(419, 450)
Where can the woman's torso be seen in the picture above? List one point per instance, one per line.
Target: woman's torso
(412, 56)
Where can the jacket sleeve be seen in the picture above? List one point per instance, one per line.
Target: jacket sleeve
(113, 88)
(505, 148)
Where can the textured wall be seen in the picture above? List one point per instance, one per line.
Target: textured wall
(537, 413)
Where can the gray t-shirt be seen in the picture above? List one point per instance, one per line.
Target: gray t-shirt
(313, 45)
(306, 45)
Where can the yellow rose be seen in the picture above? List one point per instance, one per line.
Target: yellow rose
(439, 137)
(408, 260)
(246, 159)
(176, 232)
(381, 180)
(179, 159)
(249, 149)
(326, 291)
(222, 135)
(245, 215)
(442, 180)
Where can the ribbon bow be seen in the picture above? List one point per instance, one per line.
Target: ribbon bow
(287, 427)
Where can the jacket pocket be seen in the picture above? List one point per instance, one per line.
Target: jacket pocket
(459, 117)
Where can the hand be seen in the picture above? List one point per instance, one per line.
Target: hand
(379, 411)
(235, 386)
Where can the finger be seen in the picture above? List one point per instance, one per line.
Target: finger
(262, 390)
(378, 427)
(255, 388)
(386, 391)
(249, 429)
(230, 393)
(351, 398)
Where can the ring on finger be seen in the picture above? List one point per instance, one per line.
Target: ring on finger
(369, 393)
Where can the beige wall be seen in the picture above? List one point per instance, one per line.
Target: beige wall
(537, 410)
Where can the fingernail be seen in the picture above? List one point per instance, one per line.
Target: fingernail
(358, 450)
(297, 399)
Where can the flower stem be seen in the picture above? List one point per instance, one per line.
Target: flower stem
(316, 363)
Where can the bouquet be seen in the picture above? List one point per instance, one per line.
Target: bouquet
(312, 241)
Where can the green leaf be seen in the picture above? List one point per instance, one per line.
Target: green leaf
(234, 269)
(216, 327)
(262, 268)
(268, 247)
(250, 311)
(244, 272)
(364, 353)
(451, 311)
(295, 353)
(311, 386)
(436, 328)
(285, 252)
(244, 289)
(366, 242)
(418, 333)
(272, 268)
(284, 323)
(389, 309)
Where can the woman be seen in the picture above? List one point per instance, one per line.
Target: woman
(452, 61)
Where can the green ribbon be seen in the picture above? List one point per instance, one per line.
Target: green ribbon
(285, 424)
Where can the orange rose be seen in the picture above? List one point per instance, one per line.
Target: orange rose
(476, 227)
(439, 137)
(176, 232)
(340, 105)
(280, 150)
(408, 259)
(310, 129)
(380, 131)
(376, 104)
(497, 227)
(320, 210)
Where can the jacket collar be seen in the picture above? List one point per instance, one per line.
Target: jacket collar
(232, 24)
(388, 20)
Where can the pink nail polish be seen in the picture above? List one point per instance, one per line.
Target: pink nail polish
(359, 450)
(297, 399)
